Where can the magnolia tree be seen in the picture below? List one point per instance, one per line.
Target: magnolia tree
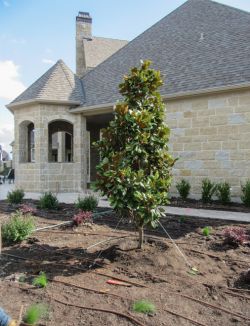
(135, 169)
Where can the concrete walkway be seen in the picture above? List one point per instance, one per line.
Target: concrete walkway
(209, 213)
(72, 197)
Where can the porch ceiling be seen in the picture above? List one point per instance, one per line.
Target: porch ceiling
(99, 120)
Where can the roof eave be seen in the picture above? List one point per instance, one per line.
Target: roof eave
(108, 107)
(12, 106)
(207, 91)
(94, 109)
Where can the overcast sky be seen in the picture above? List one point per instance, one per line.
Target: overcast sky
(34, 34)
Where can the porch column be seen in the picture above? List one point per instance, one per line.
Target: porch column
(84, 154)
(61, 146)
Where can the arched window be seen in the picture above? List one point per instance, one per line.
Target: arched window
(26, 142)
(31, 143)
(60, 141)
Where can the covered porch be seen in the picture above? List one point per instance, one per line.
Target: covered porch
(94, 125)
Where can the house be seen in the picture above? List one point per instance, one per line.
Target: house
(203, 51)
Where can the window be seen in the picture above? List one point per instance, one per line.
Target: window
(31, 143)
(26, 142)
(60, 141)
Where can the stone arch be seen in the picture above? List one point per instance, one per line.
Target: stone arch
(60, 141)
(26, 141)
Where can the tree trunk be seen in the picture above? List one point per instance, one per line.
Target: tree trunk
(141, 237)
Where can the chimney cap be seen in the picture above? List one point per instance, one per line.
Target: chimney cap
(84, 17)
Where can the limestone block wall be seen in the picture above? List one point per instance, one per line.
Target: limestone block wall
(41, 175)
(211, 136)
(26, 174)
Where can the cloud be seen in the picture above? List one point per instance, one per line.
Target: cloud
(6, 137)
(48, 61)
(10, 84)
(18, 41)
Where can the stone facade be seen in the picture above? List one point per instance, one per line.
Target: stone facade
(42, 175)
(210, 135)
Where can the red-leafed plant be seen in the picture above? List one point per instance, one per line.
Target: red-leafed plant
(27, 209)
(235, 235)
(82, 217)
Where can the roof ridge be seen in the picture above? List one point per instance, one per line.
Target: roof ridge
(62, 64)
(110, 38)
(134, 39)
(224, 5)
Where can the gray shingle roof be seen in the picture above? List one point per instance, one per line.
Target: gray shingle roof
(200, 45)
(59, 83)
(98, 49)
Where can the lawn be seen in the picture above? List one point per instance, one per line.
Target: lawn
(81, 289)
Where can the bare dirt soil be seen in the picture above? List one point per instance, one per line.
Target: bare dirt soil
(215, 204)
(78, 292)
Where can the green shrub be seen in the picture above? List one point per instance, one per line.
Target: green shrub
(246, 193)
(223, 192)
(15, 196)
(34, 313)
(183, 188)
(206, 231)
(143, 306)
(89, 203)
(18, 228)
(40, 281)
(208, 190)
(48, 201)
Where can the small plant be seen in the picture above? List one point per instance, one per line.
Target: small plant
(223, 192)
(88, 203)
(18, 228)
(48, 201)
(235, 236)
(27, 209)
(144, 307)
(40, 281)
(182, 219)
(246, 193)
(81, 217)
(208, 190)
(183, 188)
(206, 231)
(22, 278)
(15, 196)
(34, 313)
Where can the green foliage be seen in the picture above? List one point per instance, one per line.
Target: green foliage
(15, 196)
(206, 231)
(193, 271)
(223, 192)
(144, 307)
(135, 171)
(208, 190)
(34, 313)
(183, 188)
(182, 219)
(48, 201)
(89, 203)
(18, 228)
(40, 281)
(246, 193)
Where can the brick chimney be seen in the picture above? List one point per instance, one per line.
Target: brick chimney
(83, 31)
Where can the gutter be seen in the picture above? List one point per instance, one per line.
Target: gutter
(40, 101)
(108, 107)
(94, 109)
